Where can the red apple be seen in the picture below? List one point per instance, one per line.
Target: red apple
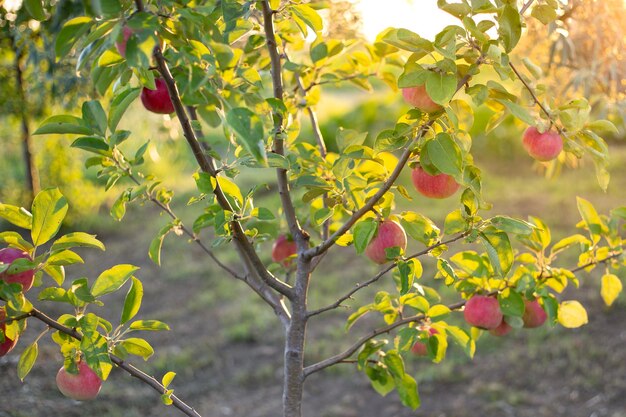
(8, 344)
(389, 235)
(418, 97)
(157, 101)
(85, 385)
(26, 278)
(483, 312)
(542, 146)
(502, 329)
(284, 247)
(420, 348)
(534, 314)
(121, 44)
(433, 186)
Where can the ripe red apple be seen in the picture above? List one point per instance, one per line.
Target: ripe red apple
(389, 235)
(418, 97)
(157, 101)
(26, 278)
(502, 329)
(121, 44)
(433, 186)
(483, 312)
(284, 247)
(420, 348)
(8, 344)
(85, 385)
(542, 146)
(534, 314)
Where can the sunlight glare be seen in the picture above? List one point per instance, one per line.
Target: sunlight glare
(420, 16)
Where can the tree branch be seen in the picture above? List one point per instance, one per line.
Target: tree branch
(278, 147)
(526, 6)
(207, 165)
(388, 268)
(129, 368)
(416, 318)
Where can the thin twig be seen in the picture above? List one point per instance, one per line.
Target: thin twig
(526, 6)
(388, 268)
(129, 368)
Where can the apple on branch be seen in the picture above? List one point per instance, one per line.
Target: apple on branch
(121, 44)
(433, 186)
(8, 344)
(283, 249)
(157, 101)
(419, 98)
(26, 278)
(502, 329)
(534, 315)
(390, 234)
(542, 146)
(420, 348)
(483, 312)
(81, 386)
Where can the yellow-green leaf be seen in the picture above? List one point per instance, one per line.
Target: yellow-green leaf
(611, 288)
(572, 314)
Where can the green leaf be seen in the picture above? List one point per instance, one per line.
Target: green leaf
(592, 220)
(72, 31)
(36, 11)
(56, 272)
(566, 242)
(249, 130)
(518, 111)
(27, 360)
(49, 209)
(149, 325)
(445, 154)
(419, 227)
(76, 239)
(544, 13)
(498, 249)
(510, 225)
(94, 115)
(93, 144)
(154, 252)
(602, 126)
(463, 339)
(132, 302)
(16, 215)
(348, 137)
(112, 279)
(106, 8)
(16, 240)
(440, 87)
(64, 257)
(309, 16)
(406, 277)
(137, 346)
(510, 27)
(363, 310)
(64, 124)
(454, 223)
(407, 40)
(119, 104)
(511, 303)
(364, 232)
(405, 384)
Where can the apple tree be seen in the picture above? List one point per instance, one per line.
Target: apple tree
(256, 70)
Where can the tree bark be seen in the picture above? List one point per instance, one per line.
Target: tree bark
(32, 176)
(294, 343)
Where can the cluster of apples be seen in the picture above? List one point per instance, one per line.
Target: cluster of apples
(158, 100)
(83, 385)
(484, 312)
(543, 146)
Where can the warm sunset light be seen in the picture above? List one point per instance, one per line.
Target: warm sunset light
(421, 16)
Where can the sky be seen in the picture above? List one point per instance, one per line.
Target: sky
(420, 16)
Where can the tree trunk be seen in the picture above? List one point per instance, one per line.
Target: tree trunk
(294, 344)
(32, 176)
